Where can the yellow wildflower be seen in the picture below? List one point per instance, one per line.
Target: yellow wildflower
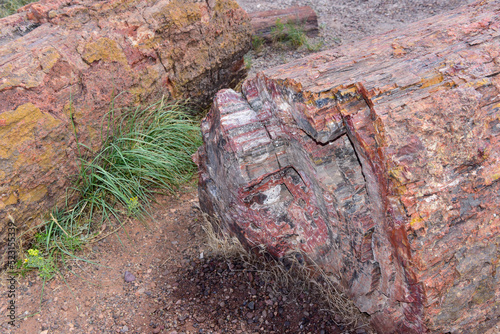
(33, 252)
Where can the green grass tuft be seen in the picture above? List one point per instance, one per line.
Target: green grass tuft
(248, 61)
(295, 35)
(292, 35)
(278, 33)
(257, 43)
(147, 151)
(9, 7)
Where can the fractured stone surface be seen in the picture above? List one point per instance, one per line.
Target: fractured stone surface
(379, 160)
(63, 62)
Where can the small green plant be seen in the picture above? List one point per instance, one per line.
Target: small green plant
(145, 151)
(292, 35)
(9, 7)
(296, 36)
(132, 206)
(257, 43)
(248, 61)
(148, 151)
(45, 265)
(278, 33)
(314, 47)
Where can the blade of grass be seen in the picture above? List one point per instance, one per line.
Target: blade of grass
(145, 151)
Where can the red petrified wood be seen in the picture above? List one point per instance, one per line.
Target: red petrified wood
(380, 161)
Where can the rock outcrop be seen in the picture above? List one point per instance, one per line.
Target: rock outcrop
(63, 62)
(381, 162)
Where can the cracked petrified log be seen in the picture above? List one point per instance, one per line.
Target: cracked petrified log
(62, 62)
(380, 161)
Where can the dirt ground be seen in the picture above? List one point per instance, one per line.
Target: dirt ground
(156, 277)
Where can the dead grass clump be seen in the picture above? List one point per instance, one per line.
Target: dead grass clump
(296, 273)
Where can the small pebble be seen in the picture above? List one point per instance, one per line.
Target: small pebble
(128, 276)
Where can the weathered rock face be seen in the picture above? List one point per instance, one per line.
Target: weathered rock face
(71, 58)
(379, 160)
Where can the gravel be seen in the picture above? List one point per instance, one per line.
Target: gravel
(128, 277)
(219, 298)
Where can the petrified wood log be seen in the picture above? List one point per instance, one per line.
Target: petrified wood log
(304, 17)
(379, 160)
(63, 62)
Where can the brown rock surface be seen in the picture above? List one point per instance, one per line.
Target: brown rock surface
(381, 161)
(63, 60)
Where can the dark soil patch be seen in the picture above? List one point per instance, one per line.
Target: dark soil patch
(226, 297)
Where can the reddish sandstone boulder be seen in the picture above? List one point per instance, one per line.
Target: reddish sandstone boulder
(381, 162)
(63, 60)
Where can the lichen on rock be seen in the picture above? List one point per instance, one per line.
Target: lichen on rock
(63, 64)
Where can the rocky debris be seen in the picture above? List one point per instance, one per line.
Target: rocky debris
(223, 300)
(379, 161)
(128, 277)
(62, 64)
(174, 292)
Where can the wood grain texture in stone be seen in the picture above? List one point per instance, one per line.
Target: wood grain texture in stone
(380, 160)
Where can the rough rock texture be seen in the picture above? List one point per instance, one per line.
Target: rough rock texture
(63, 60)
(381, 161)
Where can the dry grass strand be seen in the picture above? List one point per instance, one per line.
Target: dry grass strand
(296, 273)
